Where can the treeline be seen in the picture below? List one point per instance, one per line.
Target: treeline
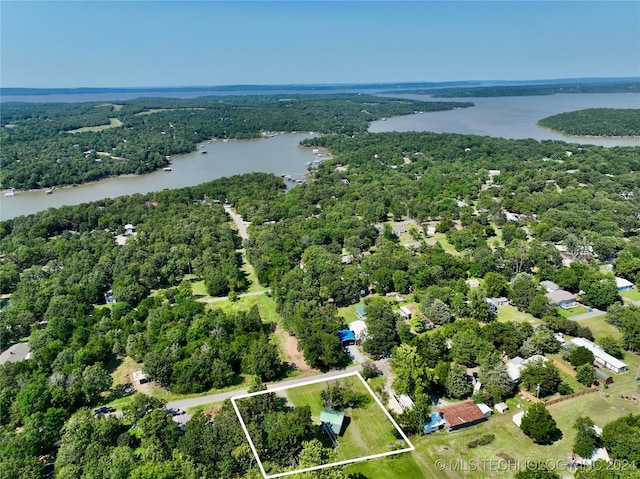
(595, 122)
(38, 148)
(529, 90)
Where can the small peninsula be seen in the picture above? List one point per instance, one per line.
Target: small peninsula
(603, 122)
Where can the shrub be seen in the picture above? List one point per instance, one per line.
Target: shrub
(565, 388)
(481, 441)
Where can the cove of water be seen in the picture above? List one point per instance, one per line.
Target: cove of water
(278, 155)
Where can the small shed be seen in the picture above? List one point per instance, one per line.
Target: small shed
(332, 420)
(501, 407)
(603, 377)
(139, 377)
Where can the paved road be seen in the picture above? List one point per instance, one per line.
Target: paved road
(240, 223)
(219, 397)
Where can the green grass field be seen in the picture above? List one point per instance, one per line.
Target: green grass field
(113, 123)
(569, 313)
(367, 430)
(511, 313)
(632, 295)
(599, 327)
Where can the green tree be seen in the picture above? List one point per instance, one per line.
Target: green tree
(438, 312)
(541, 378)
(457, 384)
(523, 289)
(580, 356)
(140, 405)
(412, 419)
(496, 285)
(95, 379)
(586, 375)
(621, 437)
(586, 437)
(336, 396)
(539, 425)
(263, 359)
(411, 376)
(381, 324)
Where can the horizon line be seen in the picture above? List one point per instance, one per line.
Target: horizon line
(318, 85)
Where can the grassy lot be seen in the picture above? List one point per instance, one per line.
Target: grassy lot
(568, 313)
(113, 122)
(599, 327)
(402, 465)
(511, 313)
(442, 239)
(368, 430)
(198, 288)
(265, 303)
(632, 295)
(250, 272)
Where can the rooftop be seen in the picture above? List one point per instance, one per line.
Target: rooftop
(462, 413)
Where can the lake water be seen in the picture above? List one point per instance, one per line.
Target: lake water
(506, 117)
(279, 154)
(511, 117)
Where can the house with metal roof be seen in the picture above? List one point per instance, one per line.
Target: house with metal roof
(462, 415)
(601, 356)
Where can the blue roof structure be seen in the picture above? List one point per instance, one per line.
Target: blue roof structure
(346, 335)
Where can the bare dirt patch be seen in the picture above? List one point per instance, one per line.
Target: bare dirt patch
(289, 347)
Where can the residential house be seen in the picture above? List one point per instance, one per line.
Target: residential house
(359, 329)
(601, 356)
(623, 284)
(562, 299)
(408, 311)
(462, 415)
(550, 286)
(501, 301)
(517, 364)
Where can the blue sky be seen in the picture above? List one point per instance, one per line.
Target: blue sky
(203, 43)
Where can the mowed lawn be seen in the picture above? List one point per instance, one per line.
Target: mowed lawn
(368, 430)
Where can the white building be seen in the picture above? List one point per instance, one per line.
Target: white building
(359, 329)
(601, 356)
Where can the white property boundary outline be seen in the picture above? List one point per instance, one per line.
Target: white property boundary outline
(339, 463)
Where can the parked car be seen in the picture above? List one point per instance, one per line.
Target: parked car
(174, 411)
(104, 410)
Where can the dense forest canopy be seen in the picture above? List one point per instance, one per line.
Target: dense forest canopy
(51, 144)
(529, 90)
(595, 122)
(503, 209)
